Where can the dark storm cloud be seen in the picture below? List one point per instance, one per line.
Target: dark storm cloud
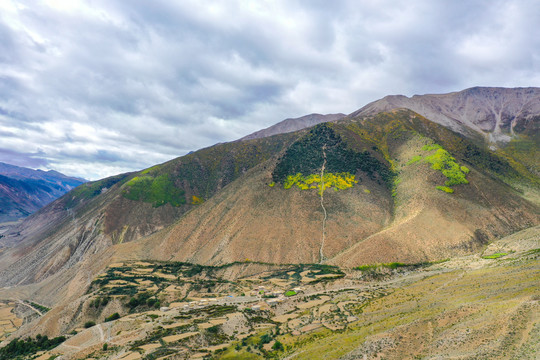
(101, 87)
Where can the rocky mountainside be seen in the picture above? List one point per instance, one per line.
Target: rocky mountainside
(505, 118)
(498, 114)
(291, 125)
(23, 191)
(390, 187)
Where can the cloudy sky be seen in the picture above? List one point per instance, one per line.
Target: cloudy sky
(98, 87)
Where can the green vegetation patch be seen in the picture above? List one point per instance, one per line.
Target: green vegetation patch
(112, 317)
(397, 265)
(442, 161)
(414, 159)
(91, 189)
(158, 190)
(445, 189)
(290, 293)
(22, 349)
(494, 256)
(151, 170)
(307, 155)
(143, 300)
(339, 181)
(41, 308)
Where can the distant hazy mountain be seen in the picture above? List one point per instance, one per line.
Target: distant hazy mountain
(24, 191)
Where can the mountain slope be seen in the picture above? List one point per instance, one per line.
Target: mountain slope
(495, 113)
(123, 208)
(365, 189)
(295, 124)
(24, 191)
(403, 217)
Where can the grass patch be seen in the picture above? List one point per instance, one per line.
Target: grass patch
(446, 189)
(494, 256)
(414, 159)
(91, 189)
(397, 265)
(158, 191)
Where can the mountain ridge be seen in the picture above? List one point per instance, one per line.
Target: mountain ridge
(229, 207)
(366, 191)
(24, 191)
(505, 110)
(293, 124)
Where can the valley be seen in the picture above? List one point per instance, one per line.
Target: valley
(476, 306)
(383, 234)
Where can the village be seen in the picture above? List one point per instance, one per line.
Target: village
(153, 308)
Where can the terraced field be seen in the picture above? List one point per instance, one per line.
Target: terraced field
(9, 322)
(475, 307)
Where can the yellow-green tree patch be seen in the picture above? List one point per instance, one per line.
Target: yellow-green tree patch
(338, 181)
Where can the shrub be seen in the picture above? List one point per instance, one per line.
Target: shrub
(89, 324)
(196, 200)
(442, 161)
(213, 329)
(445, 189)
(265, 339)
(26, 347)
(278, 346)
(114, 316)
(133, 302)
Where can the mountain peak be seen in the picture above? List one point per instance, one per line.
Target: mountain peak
(497, 114)
(293, 124)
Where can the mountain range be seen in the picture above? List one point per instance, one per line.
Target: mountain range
(24, 191)
(400, 181)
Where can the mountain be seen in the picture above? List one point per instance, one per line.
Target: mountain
(291, 125)
(386, 189)
(24, 191)
(497, 114)
(505, 118)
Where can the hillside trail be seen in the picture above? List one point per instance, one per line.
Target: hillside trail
(30, 306)
(321, 254)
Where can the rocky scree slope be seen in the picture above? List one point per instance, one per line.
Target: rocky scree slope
(495, 113)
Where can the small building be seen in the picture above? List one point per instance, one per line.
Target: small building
(273, 302)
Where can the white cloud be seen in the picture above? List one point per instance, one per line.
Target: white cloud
(98, 87)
